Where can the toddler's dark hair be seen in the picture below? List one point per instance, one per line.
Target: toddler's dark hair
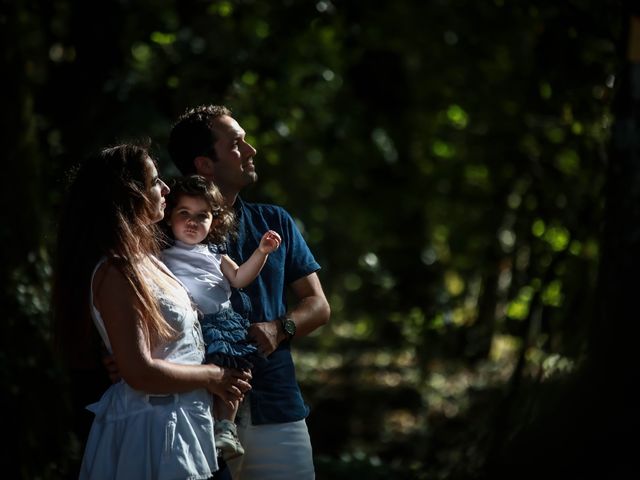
(198, 186)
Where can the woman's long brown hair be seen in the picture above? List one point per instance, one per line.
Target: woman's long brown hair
(105, 215)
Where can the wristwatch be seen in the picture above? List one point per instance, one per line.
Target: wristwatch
(288, 325)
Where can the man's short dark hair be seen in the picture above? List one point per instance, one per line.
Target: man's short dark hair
(193, 136)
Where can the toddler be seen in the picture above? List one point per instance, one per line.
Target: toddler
(199, 224)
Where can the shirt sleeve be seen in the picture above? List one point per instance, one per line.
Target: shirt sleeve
(299, 261)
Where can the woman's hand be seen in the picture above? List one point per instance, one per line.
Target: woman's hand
(229, 384)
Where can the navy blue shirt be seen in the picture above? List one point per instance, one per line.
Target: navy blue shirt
(275, 396)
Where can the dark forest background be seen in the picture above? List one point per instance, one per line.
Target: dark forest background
(467, 174)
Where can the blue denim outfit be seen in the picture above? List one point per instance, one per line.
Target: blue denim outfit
(275, 396)
(225, 334)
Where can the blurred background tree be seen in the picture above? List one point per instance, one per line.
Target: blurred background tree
(446, 161)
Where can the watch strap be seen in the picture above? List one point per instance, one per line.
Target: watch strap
(288, 326)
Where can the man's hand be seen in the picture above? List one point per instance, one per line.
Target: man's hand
(109, 362)
(266, 336)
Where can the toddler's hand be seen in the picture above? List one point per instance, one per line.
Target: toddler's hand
(270, 242)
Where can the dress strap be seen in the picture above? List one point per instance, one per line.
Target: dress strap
(95, 313)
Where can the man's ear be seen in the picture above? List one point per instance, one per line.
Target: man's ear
(204, 166)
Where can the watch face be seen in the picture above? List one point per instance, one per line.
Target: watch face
(289, 327)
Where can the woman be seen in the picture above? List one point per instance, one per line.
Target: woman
(156, 422)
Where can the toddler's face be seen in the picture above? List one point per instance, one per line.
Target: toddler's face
(191, 219)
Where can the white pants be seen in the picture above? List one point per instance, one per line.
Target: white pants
(279, 451)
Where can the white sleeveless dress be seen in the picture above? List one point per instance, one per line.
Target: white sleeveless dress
(154, 437)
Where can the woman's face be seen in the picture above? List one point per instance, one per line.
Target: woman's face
(157, 190)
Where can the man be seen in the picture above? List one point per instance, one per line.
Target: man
(208, 141)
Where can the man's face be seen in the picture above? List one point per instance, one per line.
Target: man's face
(233, 168)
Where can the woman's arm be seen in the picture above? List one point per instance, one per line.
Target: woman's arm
(129, 340)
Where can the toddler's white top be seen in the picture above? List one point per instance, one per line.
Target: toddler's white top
(200, 271)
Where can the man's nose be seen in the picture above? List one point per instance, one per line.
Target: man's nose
(250, 151)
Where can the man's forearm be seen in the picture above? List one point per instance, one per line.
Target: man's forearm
(309, 314)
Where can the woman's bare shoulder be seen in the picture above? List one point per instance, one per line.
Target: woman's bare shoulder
(110, 284)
